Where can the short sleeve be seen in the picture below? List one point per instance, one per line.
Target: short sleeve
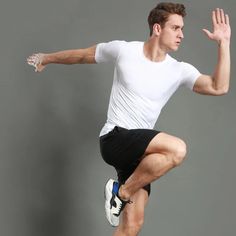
(108, 52)
(189, 75)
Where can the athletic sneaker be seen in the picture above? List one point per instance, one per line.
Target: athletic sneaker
(113, 204)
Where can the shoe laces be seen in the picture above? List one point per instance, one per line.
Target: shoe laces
(122, 205)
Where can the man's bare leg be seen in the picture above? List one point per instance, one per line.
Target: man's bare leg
(132, 217)
(163, 153)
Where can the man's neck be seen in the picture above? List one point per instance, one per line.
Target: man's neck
(153, 51)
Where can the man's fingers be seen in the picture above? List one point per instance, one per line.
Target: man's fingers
(218, 17)
(222, 16)
(34, 59)
(30, 63)
(30, 59)
(214, 21)
(208, 33)
(227, 19)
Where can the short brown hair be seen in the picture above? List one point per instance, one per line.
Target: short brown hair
(161, 12)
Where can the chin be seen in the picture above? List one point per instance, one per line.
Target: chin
(173, 49)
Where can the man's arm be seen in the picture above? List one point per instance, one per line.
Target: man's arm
(76, 56)
(218, 83)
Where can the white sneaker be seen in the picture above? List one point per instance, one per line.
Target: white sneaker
(113, 204)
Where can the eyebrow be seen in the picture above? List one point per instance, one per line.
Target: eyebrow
(178, 26)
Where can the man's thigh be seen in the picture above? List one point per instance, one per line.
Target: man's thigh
(164, 143)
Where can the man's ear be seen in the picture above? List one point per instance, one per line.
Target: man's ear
(156, 29)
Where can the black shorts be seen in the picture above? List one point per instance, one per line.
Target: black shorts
(123, 149)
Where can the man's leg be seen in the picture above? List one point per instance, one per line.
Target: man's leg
(163, 153)
(132, 217)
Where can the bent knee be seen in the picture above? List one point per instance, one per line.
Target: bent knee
(180, 152)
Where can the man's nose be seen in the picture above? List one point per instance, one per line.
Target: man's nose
(181, 34)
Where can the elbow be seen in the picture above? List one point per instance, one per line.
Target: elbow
(221, 85)
(222, 91)
(225, 91)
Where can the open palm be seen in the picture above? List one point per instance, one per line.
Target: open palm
(221, 26)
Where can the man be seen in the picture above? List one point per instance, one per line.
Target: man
(145, 77)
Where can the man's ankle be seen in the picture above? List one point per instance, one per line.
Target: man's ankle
(123, 195)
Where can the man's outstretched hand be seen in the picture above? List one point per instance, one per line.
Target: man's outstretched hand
(221, 27)
(36, 61)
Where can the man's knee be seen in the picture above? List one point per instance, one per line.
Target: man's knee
(180, 152)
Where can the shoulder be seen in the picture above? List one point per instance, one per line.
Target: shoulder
(181, 64)
(128, 44)
(134, 44)
(187, 66)
(177, 61)
(123, 43)
(112, 43)
(172, 62)
(129, 47)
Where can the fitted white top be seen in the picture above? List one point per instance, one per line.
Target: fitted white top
(140, 87)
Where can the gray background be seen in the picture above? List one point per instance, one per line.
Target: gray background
(51, 171)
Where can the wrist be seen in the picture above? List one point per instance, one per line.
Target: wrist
(45, 59)
(224, 42)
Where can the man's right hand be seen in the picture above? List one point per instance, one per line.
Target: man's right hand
(36, 60)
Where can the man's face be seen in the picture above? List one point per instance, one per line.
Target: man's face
(171, 34)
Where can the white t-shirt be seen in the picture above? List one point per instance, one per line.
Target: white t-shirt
(140, 87)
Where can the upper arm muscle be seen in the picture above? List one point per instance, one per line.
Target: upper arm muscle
(204, 85)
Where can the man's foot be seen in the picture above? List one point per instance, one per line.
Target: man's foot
(113, 204)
